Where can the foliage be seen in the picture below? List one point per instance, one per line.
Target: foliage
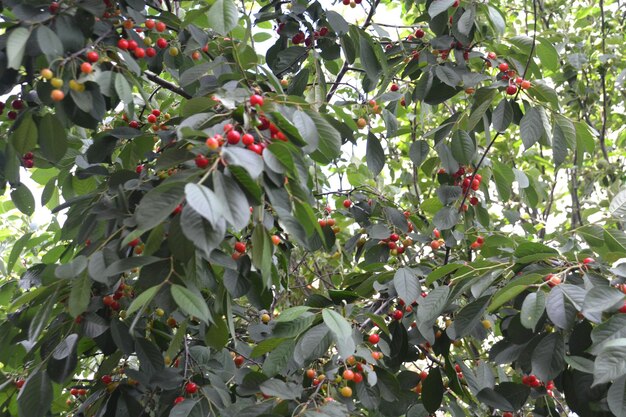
(271, 209)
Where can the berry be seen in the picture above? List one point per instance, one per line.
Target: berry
(480, 240)
(195, 55)
(419, 33)
(133, 124)
(507, 414)
(191, 387)
(394, 237)
(247, 139)
(178, 400)
(161, 43)
(239, 360)
(47, 74)
(29, 155)
(17, 104)
(423, 375)
(140, 53)
(151, 52)
(212, 143)
(525, 84)
(20, 383)
(92, 56)
(358, 378)
(54, 7)
(265, 318)
(623, 308)
(435, 244)
(347, 203)
(394, 87)
(149, 24)
(106, 379)
(202, 161)
(160, 27)
(503, 67)
(398, 314)
(240, 247)
(374, 338)
(122, 44)
(151, 118)
(256, 99)
(74, 392)
(311, 374)
(346, 392)
(82, 391)
(348, 375)
(55, 95)
(486, 324)
(474, 201)
(588, 261)
(511, 89)
(275, 239)
(233, 137)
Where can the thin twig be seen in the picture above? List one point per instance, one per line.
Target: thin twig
(166, 84)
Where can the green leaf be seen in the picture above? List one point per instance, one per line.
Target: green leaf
(617, 208)
(330, 139)
(446, 218)
(435, 9)
(279, 358)
(369, 59)
(24, 138)
(223, 16)
(52, 138)
(16, 46)
(49, 43)
(204, 201)
(250, 161)
(143, 299)
(262, 248)
(447, 159)
(482, 101)
(602, 298)
(463, 147)
(547, 54)
(418, 152)
(80, 295)
(279, 389)
(432, 390)
(504, 177)
(341, 330)
(447, 75)
(548, 357)
(236, 207)
(337, 22)
(36, 395)
(158, 204)
(468, 317)
(610, 363)
(430, 307)
(466, 21)
(374, 154)
(306, 126)
(16, 251)
(532, 309)
(616, 397)
(407, 285)
(533, 251)
(126, 264)
(502, 115)
(191, 303)
(23, 199)
(531, 127)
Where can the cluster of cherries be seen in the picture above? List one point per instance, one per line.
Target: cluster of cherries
(28, 160)
(515, 82)
(301, 37)
(190, 388)
(112, 301)
(152, 118)
(16, 105)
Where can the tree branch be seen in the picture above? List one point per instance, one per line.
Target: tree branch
(166, 84)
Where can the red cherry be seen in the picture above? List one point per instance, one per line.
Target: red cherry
(419, 33)
(398, 314)
(358, 378)
(588, 261)
(474, 201)
(92, 56)
(106, 379)
(233, 137)
(134, 242)
(202, 161)
(54, 7)
(122, 44)
(20, 383)
(179, 400)
(191, 387)
(139, 169)
(394, 87)
(28, 163)
(132, 45)
(74, 392)
(511, 89)
(86, 68)
(240, 247)
(623, 308)
(394, 237)
(423, 375)
(160, 27)
(140, 52)
(161, 43)
(17, 104)
(480, 240)
(156, 112)
(256, 99)
(475, 184)
(374, 338)
(507, 414)
(151, 52)
(258, 149)
(133, 124)
(503, 67)
(151, 118)
(347, 203)
(82, 391)
(247, 139)
(149, 24)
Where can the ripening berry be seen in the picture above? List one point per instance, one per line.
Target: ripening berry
(503, 67)
(46, 74)
(132, 45)
(346, 392)
(419, 33)
(397, 314)
(151, 118)
(588, 261)
(140, 52)
(149, 24)
(394, 87)
(435, 244)
(347, 203)
(233, 137)
(191, 387)
(160, 27)
(511, 89)
(348, 375)
(122, 44)
(212, 143)
(374, 338)
(92, 56)
(525, 84)
(57, 95)
(201, 161)
(240, 247)
(256, 100)
(106, 379)
(179, 400)
(161, 43)
(151, 52)
(247, 139)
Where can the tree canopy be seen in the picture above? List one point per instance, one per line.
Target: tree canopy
(312, 208)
